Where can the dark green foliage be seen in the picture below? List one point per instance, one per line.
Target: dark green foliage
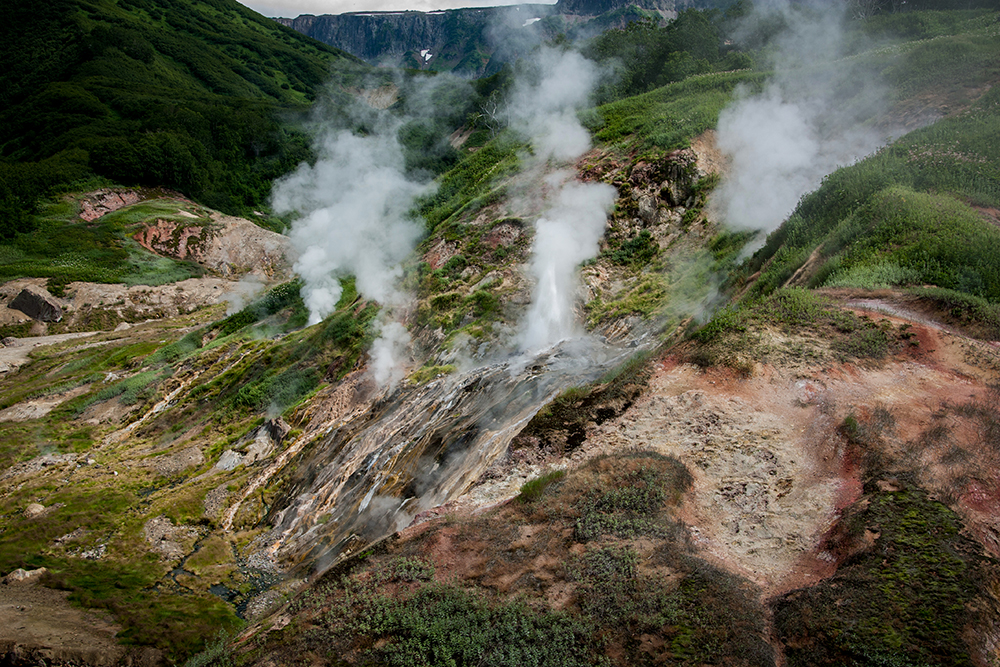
(470, 184)
(277, 391)
(440, 625)
(911, 594)
(631, 505)
(885, 220)
(648, 54)
(532, 489)
(637, 251)
(975, 315)
(609, 587)
(277, 298)
(187, 95)
(668, 117)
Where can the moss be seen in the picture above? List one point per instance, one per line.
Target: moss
(533, 489)
(428, 373)
(911, 594)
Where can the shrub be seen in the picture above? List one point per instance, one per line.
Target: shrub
(532, 489)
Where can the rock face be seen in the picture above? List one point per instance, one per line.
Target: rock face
(20, 576)
(260, 445)
(473, 40)
(230, 248)
(102, 202)
(172, 542)
(38, 304)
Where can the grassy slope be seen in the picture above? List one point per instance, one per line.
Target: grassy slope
(247, 371)
(189, 95)
(908, 214)
(257, 361)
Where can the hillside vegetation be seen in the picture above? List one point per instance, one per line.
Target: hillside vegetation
(134, 480)
(194, 96)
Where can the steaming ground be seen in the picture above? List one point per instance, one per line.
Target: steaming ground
(808, 121)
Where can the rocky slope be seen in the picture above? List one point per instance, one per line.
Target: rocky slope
(774, 498)
(807, 478)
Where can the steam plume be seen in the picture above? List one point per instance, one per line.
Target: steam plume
(544, 107)
(354, 204)
(565, 236)
(545, 103)
(803, 125)
(354, 209)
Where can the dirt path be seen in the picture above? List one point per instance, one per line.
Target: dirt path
(15, 356)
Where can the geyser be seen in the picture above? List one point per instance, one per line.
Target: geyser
(544, 107)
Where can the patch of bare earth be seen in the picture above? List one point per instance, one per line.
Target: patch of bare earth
(38, 626)
(771, 464)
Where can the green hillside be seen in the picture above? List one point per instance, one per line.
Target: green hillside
(185, 95)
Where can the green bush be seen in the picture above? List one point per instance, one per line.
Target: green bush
(533, 489)
(444, 626)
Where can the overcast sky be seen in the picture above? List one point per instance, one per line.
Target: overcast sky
(293, 8)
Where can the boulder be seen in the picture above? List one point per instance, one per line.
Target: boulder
(38, 304)
(20, 576)
(33, 510)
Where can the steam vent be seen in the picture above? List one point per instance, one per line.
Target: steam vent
(606, 333)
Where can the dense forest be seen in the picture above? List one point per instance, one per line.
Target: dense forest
(193, 96)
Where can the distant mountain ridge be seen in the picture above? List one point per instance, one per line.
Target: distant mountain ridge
(473, 41)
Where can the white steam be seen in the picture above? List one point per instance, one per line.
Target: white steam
(544, 108)
(243, 293)
(387, 352)
(354, 204)
(806, 123)
(565, 236)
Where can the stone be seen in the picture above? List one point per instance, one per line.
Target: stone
(38, 304)
(33, 510)
(10, 341)
(21, 576)
(229, 460)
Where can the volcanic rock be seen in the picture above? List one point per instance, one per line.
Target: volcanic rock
(38, 304)
(20, 576)
(33, 510)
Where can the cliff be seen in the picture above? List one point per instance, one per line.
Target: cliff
(471, 41)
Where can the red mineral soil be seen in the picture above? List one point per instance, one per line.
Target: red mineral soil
(772, 466)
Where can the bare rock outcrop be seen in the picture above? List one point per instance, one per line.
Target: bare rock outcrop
(230, 247)
(101, 202)
(172, 464)
(20, 576)
(38, 304)
(172, 542)
(260, 445)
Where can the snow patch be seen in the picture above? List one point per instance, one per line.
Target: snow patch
(426, 54)
(529, 22)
